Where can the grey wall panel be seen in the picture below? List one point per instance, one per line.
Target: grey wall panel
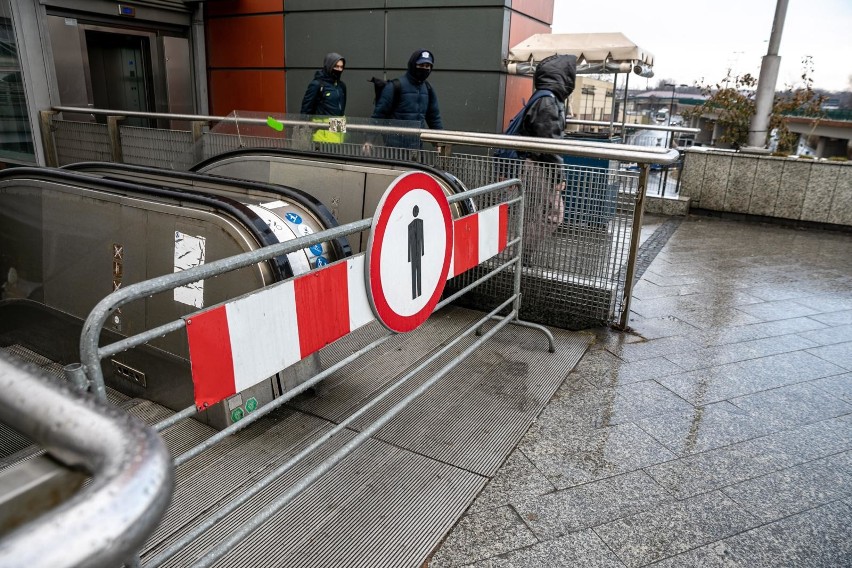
(358, 35)
(450, 35)
(314, 5)
(71, 73)
(468, 100)
(446, 3)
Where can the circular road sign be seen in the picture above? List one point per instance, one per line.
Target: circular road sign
(409, 251)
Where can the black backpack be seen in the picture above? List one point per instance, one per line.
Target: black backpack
(379, 86)
(515, 125)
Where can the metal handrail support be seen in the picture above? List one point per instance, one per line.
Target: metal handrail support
(107, 522)
(635, 233)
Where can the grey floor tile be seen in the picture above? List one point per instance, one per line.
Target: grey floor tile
(515, 481)
(746, 377)
(483, 535)
(714, 469)
(659, 327)
(586, 408)
(829, 336)
(705, 428)
(654, 348)
(777, 310)
(726, 335)
(835, 318)
(793, 490)
(591, 504)
(818, 538)
(569, 457)
(582, 548)
(708, 318)
(839, 354)
(674, 528)
(828, 302)
(792, 405)
(742, 351)
(838, 385)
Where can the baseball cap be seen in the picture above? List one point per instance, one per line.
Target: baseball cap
(425, 57)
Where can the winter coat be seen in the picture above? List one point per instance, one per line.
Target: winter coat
(325, 96)
(417, 100)
(546, 117)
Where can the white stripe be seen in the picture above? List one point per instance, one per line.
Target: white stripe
(452, 271)
(489, 233)
(360, 312)
(264, 333)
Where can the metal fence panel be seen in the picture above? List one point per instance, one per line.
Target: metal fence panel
(81, 142)
(170, 149)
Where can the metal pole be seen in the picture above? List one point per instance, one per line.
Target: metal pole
(765, 95)
(115, 139)
(635, 232)
(46, 127)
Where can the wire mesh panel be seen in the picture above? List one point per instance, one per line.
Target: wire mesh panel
(80, 142)
(170, 149)
(577, 230)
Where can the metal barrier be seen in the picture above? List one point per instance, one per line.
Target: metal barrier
(506, 259)
(107, 522)
(579, 263)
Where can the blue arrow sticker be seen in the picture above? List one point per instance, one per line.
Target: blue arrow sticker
(316, 249)
(321, 261)
(293, 218)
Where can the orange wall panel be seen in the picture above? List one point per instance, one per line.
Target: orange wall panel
(521, 27)
(246, 89)
(538, 9)
(519, 89)
(246, 41)
(231, 7)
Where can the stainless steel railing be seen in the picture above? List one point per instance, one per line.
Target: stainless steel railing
(107, 522)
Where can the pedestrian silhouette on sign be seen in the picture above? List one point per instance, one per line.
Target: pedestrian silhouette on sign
(416, 250)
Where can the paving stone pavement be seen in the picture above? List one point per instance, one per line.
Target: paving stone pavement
(716, 432)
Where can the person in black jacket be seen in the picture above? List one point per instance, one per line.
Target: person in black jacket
(326, 94)
(546, 117)
(413, 99)
(543, 174)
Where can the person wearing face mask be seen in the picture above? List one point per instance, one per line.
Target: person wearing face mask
(411, 98)
(326, 96)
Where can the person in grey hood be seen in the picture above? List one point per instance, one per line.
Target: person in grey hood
(326, 94)
(546, 116)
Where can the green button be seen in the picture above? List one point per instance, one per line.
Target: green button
(237, 414)
(251, 404)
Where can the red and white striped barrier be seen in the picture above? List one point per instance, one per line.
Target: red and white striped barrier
(241, 343)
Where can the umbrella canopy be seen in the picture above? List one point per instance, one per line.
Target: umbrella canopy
(596, 53)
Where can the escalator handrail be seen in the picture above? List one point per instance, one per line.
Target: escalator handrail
(316, 207)
(259, 230)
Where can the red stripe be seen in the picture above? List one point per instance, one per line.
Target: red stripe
(504, 227)
(210, 355)
(322, 307)
(466, 243)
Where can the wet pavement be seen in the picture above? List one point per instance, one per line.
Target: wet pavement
(718, 432)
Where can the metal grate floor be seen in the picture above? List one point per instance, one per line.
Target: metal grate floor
(392, 501)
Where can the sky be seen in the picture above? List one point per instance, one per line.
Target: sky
(699, 40)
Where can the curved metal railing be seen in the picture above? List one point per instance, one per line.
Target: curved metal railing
(107, 522)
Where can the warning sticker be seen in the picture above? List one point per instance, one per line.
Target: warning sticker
(189, 252)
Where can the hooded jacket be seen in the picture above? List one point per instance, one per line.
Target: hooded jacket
(416, 99)
(325, 96)
(546, 117)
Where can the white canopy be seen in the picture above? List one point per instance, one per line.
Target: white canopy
(596, 52)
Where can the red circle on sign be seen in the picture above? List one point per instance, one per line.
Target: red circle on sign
(376, 288)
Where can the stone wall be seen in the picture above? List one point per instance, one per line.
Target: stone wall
(788, 188)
